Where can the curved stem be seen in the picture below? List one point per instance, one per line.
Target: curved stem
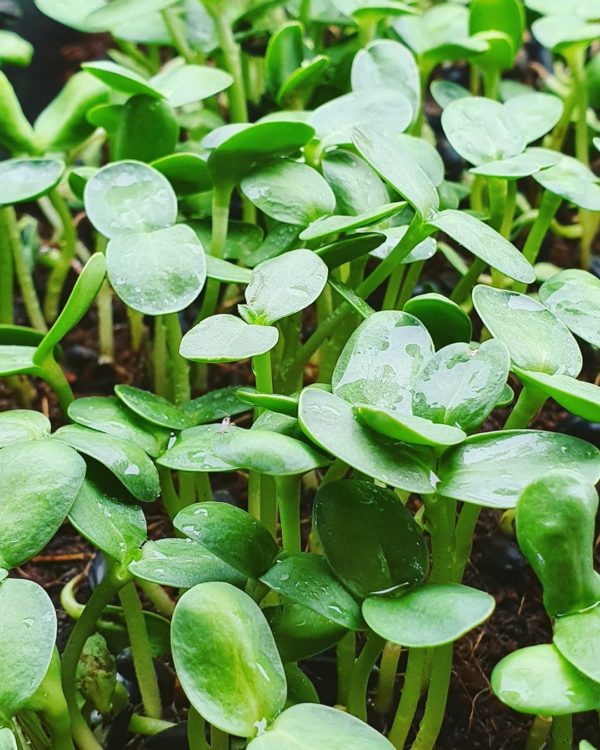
(528, 404)
(409, 699)
(140, 650)
(59, 273)
(159, 598)
(562, 732)
(437, 696)
(288, 501)
(49, 701)
(8, 226)
(52, 373)
(359, 680)
(410, 282)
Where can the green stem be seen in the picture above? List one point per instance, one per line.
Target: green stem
(387, 678)
(219, 740)
(49, 701)
(52, 373)
(528, 404)
(158, 597)
(562, 732)
(359, 680)
(464, 287)
(440, 513)
(8, 225)
(105, 323)
(221, 199)
(548, 208)
(410, 282)
(147, 726)
(437, 696)
(187, 488)
(180, 368)
(336, 471)
(7, 275)
(196, 731)
(136, 329)
(575, 56)
(204, 491)
(159, 357)
(58, 275)
(233, 63)
(409, 699)
(288, 501)
(261, 365)
(538, 733)
(85, 626)
(168, 494)
(463, 538)
(346, 652)
(177, 32)
(393, 288)
(140, 650)
(491, 80)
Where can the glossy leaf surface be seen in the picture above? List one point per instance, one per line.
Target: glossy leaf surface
(225, 338)
(577, 637)
(22, 425)
(408, 428)
(574, 297)
(27, 179)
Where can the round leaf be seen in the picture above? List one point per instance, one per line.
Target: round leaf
(187, 172)
(577, 637)
(127, 197)
(225, 338)
(22, 425)
(574, 297)
(39, 482)
(538, 680)
(356, 186)
(431, 615)
(28, 623)
(576, 396)
(534, 336)
(27, 179)
(369, 538)
(152, 408)
(187, 84)
(492, 469)
(226, 659)
(111, 15)
(446, 322)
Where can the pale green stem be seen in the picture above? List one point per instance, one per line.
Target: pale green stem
(180, 368)
(6, 274)
(562, 732)
(528, 404)
(177, 32)
(288, 501)
(196, 731)
(68, 251)
(218, 740)
(437, 696)
(104, 303)
(359, 679)
(409, 698)
(346, 652)
(387, 678)
(8, 225)
(159, 358)
(233, 63)
(548, 208)
(538, 733)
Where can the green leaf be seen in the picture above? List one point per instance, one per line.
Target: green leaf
(576, 396)
(308, 580)
(104, 514)
(300, 632)
(214, 406)
(535, 112)
(7, 739)
(271, 401)
(370, 540)
(444, 92)
(39, 482)
(382, 359)
(146, 129)
(285, 285)
(111, 15)
(492, 469)
(127, 197)
(394, 162)
(223, 270)
(22, 425)
(225, 338)
(538, 680)
(461, 384)
(581, 8)
(182, 563)
(121, 79)
(124, 459)
(314, 727)
(228, 448)
(350, 248)
(385, 63)
(187, 84)
(28, 623)
(386, 111)
(343, 224)
(231, 534)
(408, 428)
(482, 130)
(536, 339)
(446, 321)
(152, 408)
(356, 186)
(27, 179)
(157, 273)
(331, 423)
(284, 54)
(422, 251)
(300, 85)
(574, 297)
(504, 16)
(290, 192)
(187, 173)
(68, 13)
(577, 637)
(226, 659)
(563, 30)
(14, 49)
(430, 616)
(243, 240)
(348, 294)
(555, 522)
(16, 134)
(110, 416)
(243, 151)
(572, 181)
(531, 161)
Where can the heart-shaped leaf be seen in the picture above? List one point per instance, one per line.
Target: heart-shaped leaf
(538, 680)
(308, 580)
(39, 482)
(431, 615)
(121, 79)
(356, 186)
(369, 538)
(104, 514)
(231, 534)
(152, 408)
(226, 659)
(127, 197)
(331, 423)
(157, 273)
(109, 415)
(344, 224)
(182, 563)
(446, 322)
(22, 425)
(187, 84)
(315, 727)
(225, 338)
(536, 339)
(492, 469)
(27, 179)
(574, 297)
(408, 428)
(285, 285)
(461, 384)
(28, 622)
(576, 396)
(289, 191)
(577, 637)
(531, 161)
(300, 632)
(382, 359)
(123, 458)
(573, 181)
